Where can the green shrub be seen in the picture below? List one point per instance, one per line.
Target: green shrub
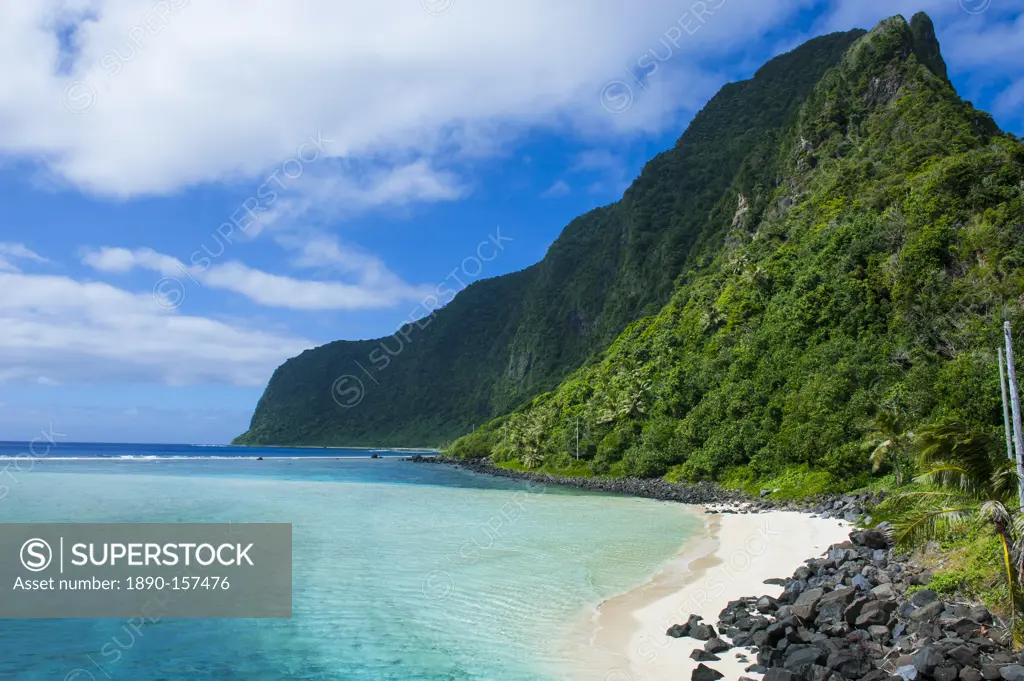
(675, 474)
(969, 566)
(660, 433)
(474, 446)
(948, 583)
(615, 444)
(643, 461)
(739, 477)
(799, 482)
(600, 465)
(879, 253)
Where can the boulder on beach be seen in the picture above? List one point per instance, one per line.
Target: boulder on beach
(703, 632)
(703, 656)
(681, 630)
(716, 645)
(706, 673)
(853, 615)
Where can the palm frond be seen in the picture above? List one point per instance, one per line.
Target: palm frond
(879, 454)
(888, 423)
(1006, 483)
(955, 478)
(995, 512)
(903, 502)
(1016, 525)
(932, 524)
(969, 483)
(952, 440)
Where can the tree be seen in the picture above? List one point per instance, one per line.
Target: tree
(968, 485)
(511, 439)
(532, 454)
(889, 442)
(628, 396)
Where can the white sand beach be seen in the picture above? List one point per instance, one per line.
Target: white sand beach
(625, 639)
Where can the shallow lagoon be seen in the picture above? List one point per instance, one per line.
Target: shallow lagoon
(401, 571)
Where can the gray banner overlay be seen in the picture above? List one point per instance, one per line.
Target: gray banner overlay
(147, 571)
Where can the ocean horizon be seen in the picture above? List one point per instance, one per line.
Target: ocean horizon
(53, 449)
(400, 571)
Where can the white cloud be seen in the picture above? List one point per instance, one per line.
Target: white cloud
(275, 290)
(175, 93)
(62, 423)
(374, 285)
(58, 330)
(121, 260)
(596, 159)
(319, 251)
(416, 181)
(172, 93)
(1010, 100)
(986, 43)
(333, 190)
(558, 189)
(180, 92)
(609, 170)
(9, 252)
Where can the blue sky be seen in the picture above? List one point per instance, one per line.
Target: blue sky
(195, 192)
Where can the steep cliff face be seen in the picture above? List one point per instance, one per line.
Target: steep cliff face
(862, 259)
(504, 340)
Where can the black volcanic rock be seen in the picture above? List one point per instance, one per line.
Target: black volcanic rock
(716, 645)
(703, 656)
(705, 673)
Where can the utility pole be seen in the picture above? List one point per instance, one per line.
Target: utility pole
(1006, 407)
(1018, 435)
(577, 438)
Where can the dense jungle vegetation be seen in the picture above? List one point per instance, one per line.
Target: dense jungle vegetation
(856, 273)
(502, 341)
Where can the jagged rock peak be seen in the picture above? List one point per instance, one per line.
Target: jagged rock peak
(896, 38)
(926, 45)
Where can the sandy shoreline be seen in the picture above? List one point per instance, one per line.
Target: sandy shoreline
(625, 638)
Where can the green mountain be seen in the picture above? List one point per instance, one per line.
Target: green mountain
(861, 259)
(505, 340)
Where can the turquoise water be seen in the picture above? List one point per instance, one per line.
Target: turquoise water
(52, 446)
(401, 571)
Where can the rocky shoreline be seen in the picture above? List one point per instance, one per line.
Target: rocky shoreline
(848, 507)
(858, 612)
(852, 614)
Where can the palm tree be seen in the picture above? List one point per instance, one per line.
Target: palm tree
(510, 442)
(525, 436)
(627, 396)
(969, 485)
(889, 441)
(634, 399)
(531, 458)
(532, 446)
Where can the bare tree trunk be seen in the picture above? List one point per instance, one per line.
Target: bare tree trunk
(1006, 407)
(1018, 435)
(1007, 541)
